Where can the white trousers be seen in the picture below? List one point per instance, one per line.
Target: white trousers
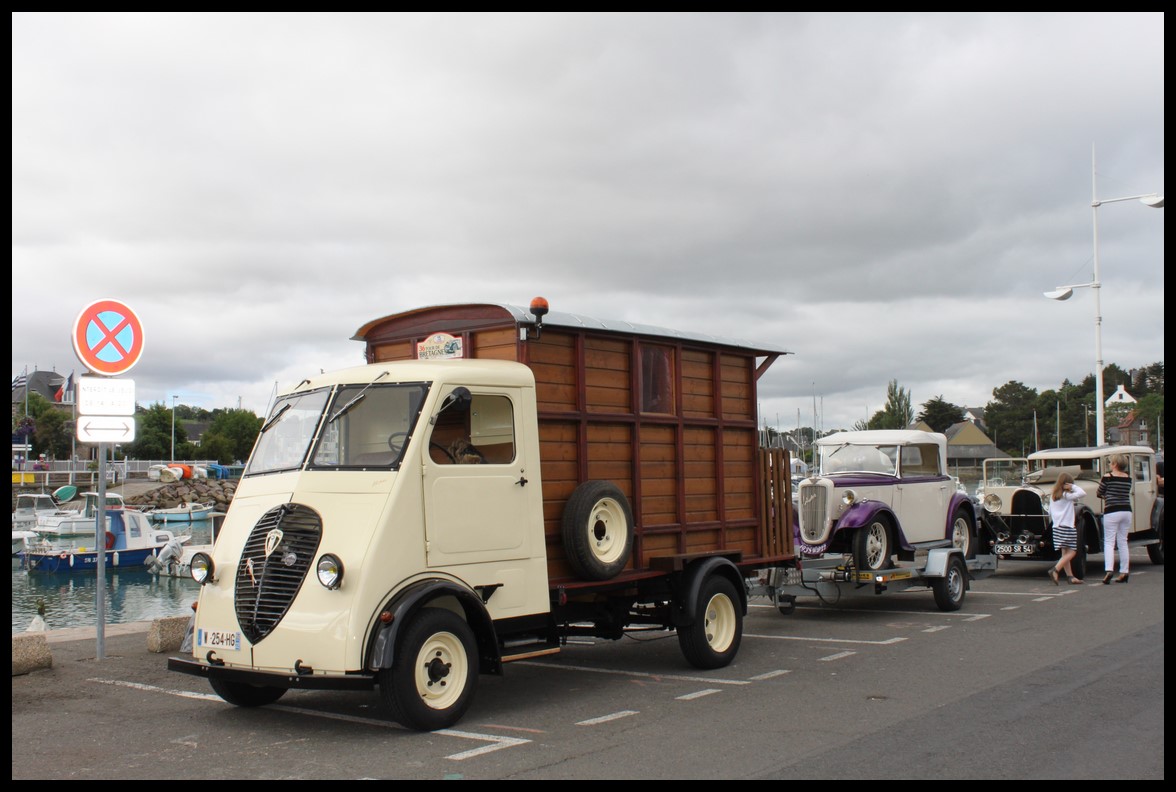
(1115, 528)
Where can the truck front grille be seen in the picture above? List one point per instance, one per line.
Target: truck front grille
(277, 555)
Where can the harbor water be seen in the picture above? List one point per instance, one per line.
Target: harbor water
(131, 594)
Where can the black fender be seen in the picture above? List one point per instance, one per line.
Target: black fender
(408, 601)
(690, 584)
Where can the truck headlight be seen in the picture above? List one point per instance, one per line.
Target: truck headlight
(330, 571)
(992, 502)
(201, 568)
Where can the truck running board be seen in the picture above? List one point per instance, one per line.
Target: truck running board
(529, 650)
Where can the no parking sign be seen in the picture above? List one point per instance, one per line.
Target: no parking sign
(108, 337)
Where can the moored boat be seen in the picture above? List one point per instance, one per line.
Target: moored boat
(186, 513)
(131, 540)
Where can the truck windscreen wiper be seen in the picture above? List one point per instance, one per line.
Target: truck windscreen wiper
(356, 399)
(277, 416)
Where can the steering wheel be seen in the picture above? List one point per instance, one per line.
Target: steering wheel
(396, 442)
(448, 454)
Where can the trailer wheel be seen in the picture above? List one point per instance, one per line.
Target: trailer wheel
(598, 530)
(950, 589)
(241, 695)
(712, 641)
(432, 680)
(786, 605)
(962, 534)
(871, 547)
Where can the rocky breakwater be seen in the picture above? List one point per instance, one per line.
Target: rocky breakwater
(214, 491)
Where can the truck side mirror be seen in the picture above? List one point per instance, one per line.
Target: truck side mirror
(460, 396)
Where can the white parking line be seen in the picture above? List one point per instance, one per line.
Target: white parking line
(838, 656)
(771, 675)
(497, 742)
(606, 718)
(887, 642)
(618, 672)
(937, 629)
(697, 694)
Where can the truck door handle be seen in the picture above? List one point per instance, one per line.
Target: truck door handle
(522, 482)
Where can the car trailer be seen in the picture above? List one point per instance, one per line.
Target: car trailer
(946, 572)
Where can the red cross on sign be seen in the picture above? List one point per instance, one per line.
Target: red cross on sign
(108, 337)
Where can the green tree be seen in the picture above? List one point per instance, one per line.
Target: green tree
(153, 434)
(233, 433)
(940, 414)
(898, 413)
(1009, 417)
(54, 434)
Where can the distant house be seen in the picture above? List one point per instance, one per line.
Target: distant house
(1132, 430)
(45, 383)
(976, 416)
(967, 447)
(1120, 396)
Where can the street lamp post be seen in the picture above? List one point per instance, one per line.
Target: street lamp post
(1065, 292)
(173, 450)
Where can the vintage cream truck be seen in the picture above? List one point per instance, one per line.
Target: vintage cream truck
(492, 481)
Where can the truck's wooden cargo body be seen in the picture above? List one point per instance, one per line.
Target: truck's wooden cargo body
(667, 416)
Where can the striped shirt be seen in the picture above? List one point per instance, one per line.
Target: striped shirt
(1115, 492)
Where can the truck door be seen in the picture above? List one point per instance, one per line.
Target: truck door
(474, 482)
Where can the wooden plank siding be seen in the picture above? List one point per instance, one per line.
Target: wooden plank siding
(694, 476)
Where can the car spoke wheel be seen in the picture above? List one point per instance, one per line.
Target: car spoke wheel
(871, 547)
(962, 534)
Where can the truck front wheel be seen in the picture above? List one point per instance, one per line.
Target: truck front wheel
(432, 680)
(597, 530)
(712, 641)
(241, 695)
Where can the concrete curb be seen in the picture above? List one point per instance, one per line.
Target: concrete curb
(31, 651)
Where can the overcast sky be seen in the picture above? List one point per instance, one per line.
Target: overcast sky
(885, 195)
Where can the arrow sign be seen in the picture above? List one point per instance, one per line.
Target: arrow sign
(106, 429)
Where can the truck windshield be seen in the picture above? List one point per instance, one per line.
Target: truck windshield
(286, 434)
(369, 426)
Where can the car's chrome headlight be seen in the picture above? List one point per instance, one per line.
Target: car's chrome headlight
(201, 568)
(330, 571)
(992, 502)
(1045, 499)
(848, 497)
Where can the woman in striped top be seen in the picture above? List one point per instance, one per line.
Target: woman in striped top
(1061, 516)
(1115, 491)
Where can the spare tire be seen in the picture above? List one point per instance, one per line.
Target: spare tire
(597, 530)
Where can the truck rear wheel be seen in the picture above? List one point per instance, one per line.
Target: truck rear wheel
(712, 641)
(597, 530)
(950, 589)
(432, 680)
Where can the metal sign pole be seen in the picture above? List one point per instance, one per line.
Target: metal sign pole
(100, 546)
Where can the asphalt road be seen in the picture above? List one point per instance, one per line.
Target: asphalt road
(1026, 681)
